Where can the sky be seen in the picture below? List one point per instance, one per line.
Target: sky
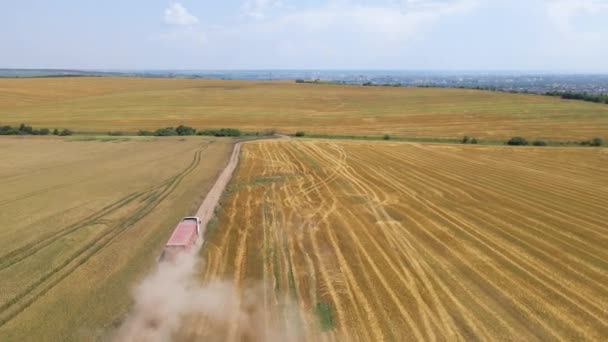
(518, 35)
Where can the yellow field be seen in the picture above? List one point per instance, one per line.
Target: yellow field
(81, 221)
(397, 241)
(130, 104)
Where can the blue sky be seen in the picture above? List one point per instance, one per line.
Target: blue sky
(547, 35)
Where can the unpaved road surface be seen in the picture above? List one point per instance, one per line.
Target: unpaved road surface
(205, 212)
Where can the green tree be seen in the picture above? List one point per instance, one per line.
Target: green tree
(597, 142)
(185, 130)
(517, 141)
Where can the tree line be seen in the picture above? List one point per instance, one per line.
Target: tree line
(24, 129)
(568, 95)
(182, 130)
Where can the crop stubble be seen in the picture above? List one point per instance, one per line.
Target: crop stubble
(103, 104)
(412, 241)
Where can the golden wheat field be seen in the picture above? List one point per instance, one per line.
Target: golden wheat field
(391, 241)
(82, 219)
(131, 104)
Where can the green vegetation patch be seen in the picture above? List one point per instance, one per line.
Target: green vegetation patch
(323, 313)
(100, 139)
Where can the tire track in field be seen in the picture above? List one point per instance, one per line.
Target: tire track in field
(514, 213)
(326, 288)
(381, 216)
(406, 245)
(533, 248)
(575, 304)
(547, 203)
(481, 277)
(31, 293)
(462, 182)
(295, 204)
(330, 282)
(31, 248)
(366, 313)
(473, 272)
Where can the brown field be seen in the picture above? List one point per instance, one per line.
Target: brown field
(399, 241)
(130, 104)
(82, 219)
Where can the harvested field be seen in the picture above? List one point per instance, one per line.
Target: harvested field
(82, 219)
(131, 104)
(397, 241)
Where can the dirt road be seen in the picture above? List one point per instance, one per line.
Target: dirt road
(205, 212)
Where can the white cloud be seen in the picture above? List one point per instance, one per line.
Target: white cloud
(176, 14)
(257, 8)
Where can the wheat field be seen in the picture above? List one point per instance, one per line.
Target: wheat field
(130, 104)
(374, 241)
(82, 219)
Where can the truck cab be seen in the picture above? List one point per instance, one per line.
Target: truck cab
(198, 223)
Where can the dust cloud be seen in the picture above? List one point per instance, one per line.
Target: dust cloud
(171, 304)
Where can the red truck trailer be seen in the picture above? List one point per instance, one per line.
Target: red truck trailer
(184, 237)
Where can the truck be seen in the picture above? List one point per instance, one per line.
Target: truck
(184, 237)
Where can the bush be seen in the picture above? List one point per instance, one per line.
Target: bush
(55, 131)
(465, 140)
(224, 132)
(386, 137)
(8, 130)
(145, 133)
(165, 132)
(597, 142)
(593, 142)
(23, 129)
(116, 133)
(517, 141)
(65, 132)
(300, 134)
(185, 130)
(539, 143)
(474, 141)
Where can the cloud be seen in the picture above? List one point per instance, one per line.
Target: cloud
(176, 14)
(257, 8)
